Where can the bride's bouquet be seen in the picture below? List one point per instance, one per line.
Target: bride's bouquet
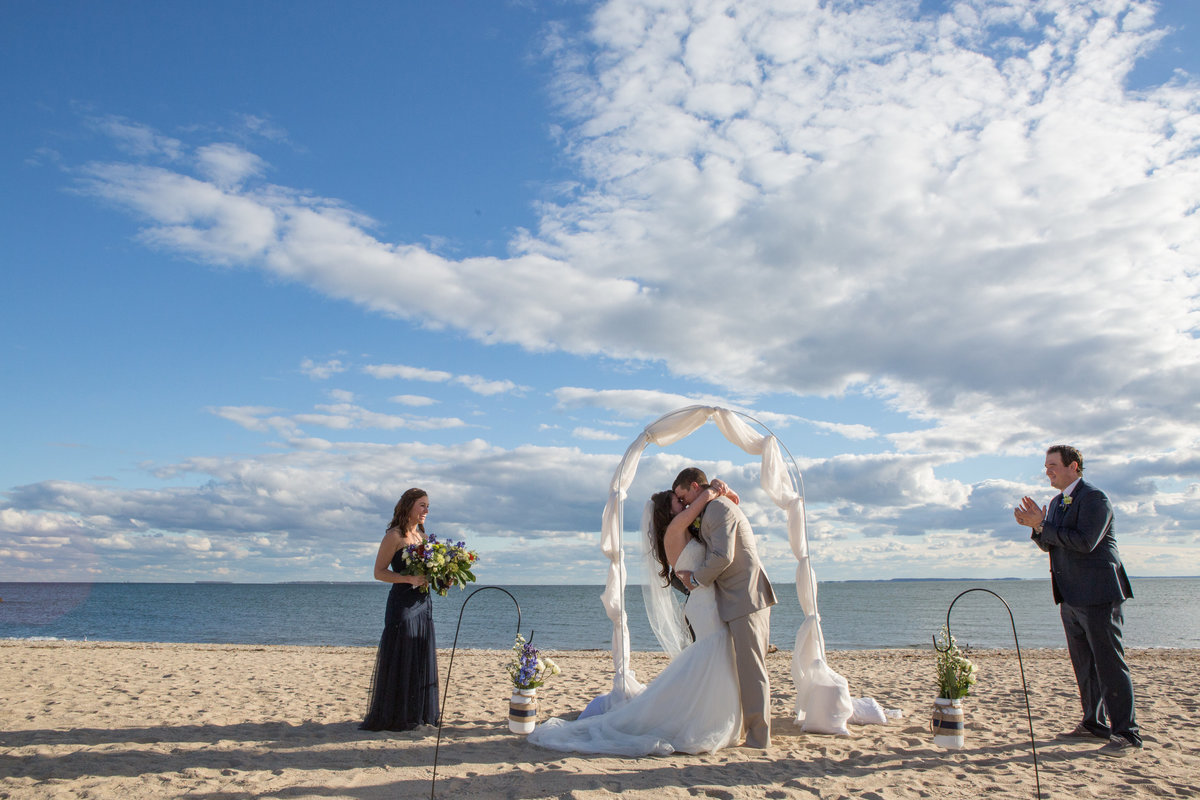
(444, 564)
(529, 669)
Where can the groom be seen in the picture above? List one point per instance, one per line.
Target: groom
(1089, 584)
(744, 597)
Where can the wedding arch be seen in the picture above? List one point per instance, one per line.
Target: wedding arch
(823, 702)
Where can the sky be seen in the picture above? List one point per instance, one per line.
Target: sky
(268, 265)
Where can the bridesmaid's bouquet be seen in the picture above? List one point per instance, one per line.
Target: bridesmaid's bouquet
(444, 564)
(529, 669)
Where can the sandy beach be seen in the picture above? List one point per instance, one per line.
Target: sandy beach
(130, 721)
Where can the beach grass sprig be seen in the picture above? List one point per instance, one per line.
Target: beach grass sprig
(529, 669)
(955, 672)
(444, 564)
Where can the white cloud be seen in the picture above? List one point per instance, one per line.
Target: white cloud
(637, 403)
(345, 416)
(262, 126)
(863, 200)
(963, 216)
(854, 431)
(886, 482)
(597, 435)
(227, 165)
(335, 416)
(318, 503)
(200, 219)
(487, 387)
(138, 139)
(38, 524)
(415, 400)
(322, 370)
(474, 383)
(407, 373)
(297, 513)
(256, 418)
(646, 404)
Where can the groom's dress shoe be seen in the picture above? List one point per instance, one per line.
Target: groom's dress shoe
(1081, 732)
(1120, 747)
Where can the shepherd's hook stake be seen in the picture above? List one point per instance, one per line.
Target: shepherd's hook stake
(1020, 663)
(450, 668)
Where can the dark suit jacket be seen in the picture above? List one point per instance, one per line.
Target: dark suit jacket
(1085, 567)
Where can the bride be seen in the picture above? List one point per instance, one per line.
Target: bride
(693, 705)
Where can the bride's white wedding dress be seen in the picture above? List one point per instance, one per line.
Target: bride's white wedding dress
(693, 706)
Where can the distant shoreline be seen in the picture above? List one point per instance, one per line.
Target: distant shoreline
(855, 615)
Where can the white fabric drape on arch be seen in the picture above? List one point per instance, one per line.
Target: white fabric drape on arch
(823, 702)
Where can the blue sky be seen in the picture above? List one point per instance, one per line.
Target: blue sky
(267, 265)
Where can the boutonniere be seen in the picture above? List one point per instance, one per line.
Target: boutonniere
(1066, 501)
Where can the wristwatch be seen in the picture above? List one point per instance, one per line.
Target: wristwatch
(692, 580)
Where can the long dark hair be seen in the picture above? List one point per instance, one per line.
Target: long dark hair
(659, 520)
(404, 509)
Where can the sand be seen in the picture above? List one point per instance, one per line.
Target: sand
(219, 722)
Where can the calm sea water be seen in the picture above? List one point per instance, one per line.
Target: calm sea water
(854, 614)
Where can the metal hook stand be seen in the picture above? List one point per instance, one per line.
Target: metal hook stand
(1020, 663)
(450, 668)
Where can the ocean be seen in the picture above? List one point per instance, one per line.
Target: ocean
(855, 615)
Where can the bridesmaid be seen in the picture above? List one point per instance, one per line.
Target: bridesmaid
(404, 687)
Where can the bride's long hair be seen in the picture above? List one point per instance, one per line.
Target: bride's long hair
(660, 520)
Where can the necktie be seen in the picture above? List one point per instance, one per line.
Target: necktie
(1060, 511)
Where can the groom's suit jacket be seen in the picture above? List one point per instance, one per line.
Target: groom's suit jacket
(1085, 567)
(731, 563)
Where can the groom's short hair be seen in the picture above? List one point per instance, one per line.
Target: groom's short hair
(1067, 454)
(689, 476)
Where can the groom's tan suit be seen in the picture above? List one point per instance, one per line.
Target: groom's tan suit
(744, 600)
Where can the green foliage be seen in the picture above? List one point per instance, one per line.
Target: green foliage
(955, 672)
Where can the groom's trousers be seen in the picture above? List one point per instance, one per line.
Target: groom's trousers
(1105, 687)
(751, 634)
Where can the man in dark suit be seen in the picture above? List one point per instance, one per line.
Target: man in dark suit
(1089, 584)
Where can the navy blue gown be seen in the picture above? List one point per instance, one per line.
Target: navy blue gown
(404, 686)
